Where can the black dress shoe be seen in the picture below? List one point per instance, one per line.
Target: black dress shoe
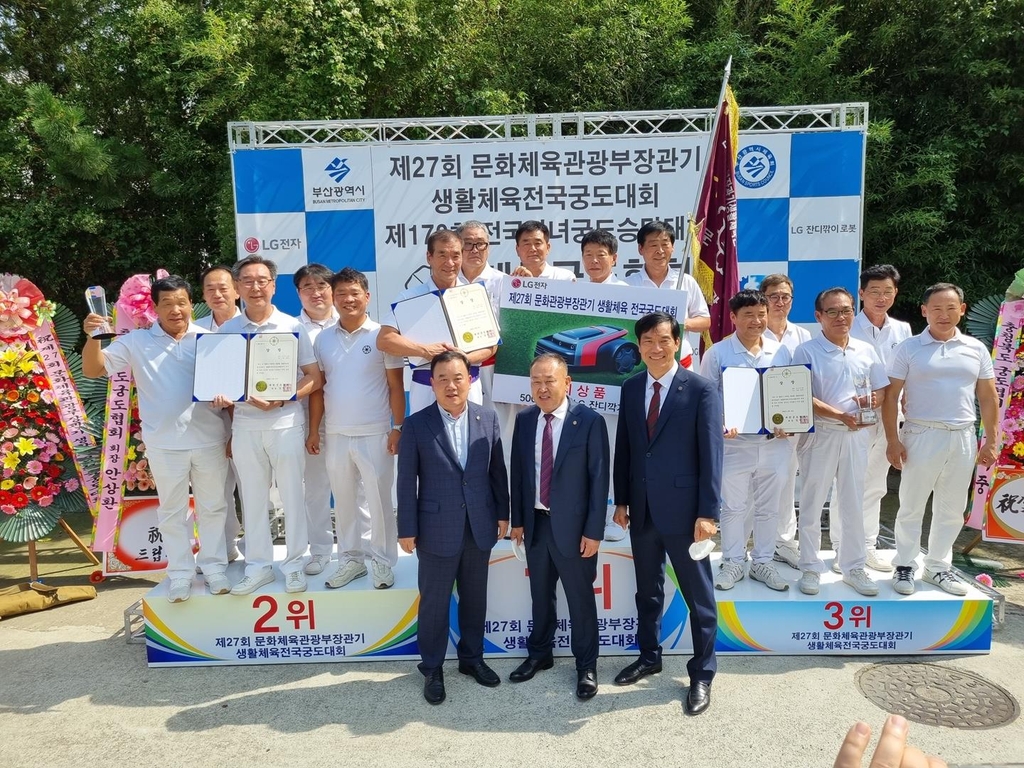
(529, 668)
(698, 698)
(586, 684)
(481, 673)
(636, 670)
(433, 687)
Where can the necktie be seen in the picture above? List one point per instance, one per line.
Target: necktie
(653, 409)
(547, 460)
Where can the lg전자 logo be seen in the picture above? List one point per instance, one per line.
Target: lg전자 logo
(251, 244)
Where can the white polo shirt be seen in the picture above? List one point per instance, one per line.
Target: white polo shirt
(730, 353)
(164, 370)
(551, 272)
(834, 371)
(247, 416)
(313, 327)
(610, 280)
(792, 337)
(538, 445)
(941, 376)
(884, 339)
(696, 306)
(210, 324)
(356, 394)
(490, 279)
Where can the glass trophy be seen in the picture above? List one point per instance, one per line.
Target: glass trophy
(96, 298)
(866, 415)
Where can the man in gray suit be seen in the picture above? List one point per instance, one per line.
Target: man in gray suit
(453, 506)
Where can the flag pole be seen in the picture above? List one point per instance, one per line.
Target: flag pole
(707, 155)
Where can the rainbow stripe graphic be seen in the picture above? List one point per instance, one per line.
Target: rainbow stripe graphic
(972, 630)
(400, 640)
(732, 635)
(164, 646)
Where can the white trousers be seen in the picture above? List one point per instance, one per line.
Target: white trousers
(826, 454)
(875, 487)
(232, 526)
(487, 385)
(940, 461)
(173, 471)
(260, 456)
(366, 459)
(786, 536)
(317, 491)
(751, 476)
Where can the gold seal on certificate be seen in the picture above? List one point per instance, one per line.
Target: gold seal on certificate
(273, 366)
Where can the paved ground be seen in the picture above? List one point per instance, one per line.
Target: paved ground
(72, 692)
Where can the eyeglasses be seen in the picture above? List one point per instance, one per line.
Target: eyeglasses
(481, 246)
(780, 298)
(834, 313)
(249, 282)
(308, 290)
(876, 294)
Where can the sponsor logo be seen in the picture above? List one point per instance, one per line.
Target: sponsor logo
(536, 284)
(338, 169)
(755, 166)
(366, 349)
(251, 245)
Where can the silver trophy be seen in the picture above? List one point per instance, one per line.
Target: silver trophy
(96, 298)
(866, 415)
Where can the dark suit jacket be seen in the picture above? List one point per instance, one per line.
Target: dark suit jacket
(579, 484)
(436, 496)
(677, 474)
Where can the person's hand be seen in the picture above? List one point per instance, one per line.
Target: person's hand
(704, 528)
(779, 432)
(892, 750)
(407, 544)
(227, 450)
(621, 516)
(92, 322)
(430, 351)
(850, 420)
(313, 444)
(729, 434)
(516, 534)
(502, 529)
(588, 547)
(896, 453)
(521, 271)
(988, 453)
(263, 405)
(394, 436)
(221, 401)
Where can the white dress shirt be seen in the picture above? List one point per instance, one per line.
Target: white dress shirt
(665, 381)
(457, 428)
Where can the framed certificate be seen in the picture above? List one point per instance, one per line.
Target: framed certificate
(244, 365)
(460, 316)
(757, 401)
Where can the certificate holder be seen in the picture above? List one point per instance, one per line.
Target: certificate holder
(757, 401)
(243, 365)
(460, 316)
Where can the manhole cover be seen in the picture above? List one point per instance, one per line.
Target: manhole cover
(937, 695)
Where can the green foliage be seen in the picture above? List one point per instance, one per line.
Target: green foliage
(112, 115)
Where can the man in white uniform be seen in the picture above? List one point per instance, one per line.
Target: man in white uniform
(878, 289)
(656, 241)
(313, 285)
(755, 465)
(444, 255)
(184, 440)
(361, 408)
(838, 446)
(942, 371)
(268, 439)
(221, 297)
(533, 246)
(476, 245)
(778, 289)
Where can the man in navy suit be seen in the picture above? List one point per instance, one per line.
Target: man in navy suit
(668, 480)
(559, 501)
(452, 508)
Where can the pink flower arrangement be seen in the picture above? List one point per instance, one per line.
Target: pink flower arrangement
(22, 306)
(135, 303)
(1012, 425)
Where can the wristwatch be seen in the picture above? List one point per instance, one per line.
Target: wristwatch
(397, 427)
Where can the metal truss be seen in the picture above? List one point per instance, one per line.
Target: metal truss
(578, 125)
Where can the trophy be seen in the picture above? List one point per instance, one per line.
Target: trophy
(96, 298)
(866, 415)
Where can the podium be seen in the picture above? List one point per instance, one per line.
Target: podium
(360, 623)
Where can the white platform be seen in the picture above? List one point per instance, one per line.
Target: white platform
(358, 622)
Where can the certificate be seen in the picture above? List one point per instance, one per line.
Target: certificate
(244, 365)
(460, 316)
(757, 401)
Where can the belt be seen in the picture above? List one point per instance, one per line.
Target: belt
(545, 512)
(940, 425)
(840, 427)
(422, 375)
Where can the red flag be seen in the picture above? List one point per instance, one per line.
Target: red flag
(714, 233)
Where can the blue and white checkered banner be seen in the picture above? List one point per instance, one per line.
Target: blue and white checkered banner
(372, 206)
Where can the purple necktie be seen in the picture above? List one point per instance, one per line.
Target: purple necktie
(547, 460)
(653, 409)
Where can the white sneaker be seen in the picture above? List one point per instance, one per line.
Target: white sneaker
(946, 581)
(614, 532)
(835, 565)
(858, 579)
(382, 575)
(903, 581)
(876, 563)
(767, 575)
(787, 555)
(295, 582)
(728, 574)
(316, 564)
(179, 590)
(346, 573)
(250, 584)
(809, 581)
(218, 584)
